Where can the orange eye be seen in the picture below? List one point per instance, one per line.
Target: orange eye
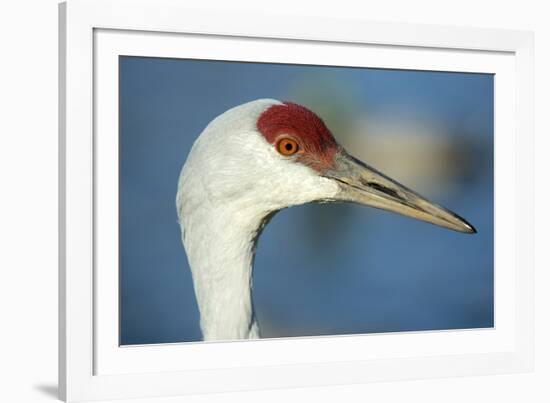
(287, 146)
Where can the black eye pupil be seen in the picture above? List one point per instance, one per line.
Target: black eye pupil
(288, 147)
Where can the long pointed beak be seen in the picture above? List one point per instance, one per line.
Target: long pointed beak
(362, 184)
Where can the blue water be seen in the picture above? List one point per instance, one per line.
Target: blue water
(320, 269)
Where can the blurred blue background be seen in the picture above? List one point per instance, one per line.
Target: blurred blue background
(345, 269)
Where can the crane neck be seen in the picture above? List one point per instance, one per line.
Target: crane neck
(220, 242)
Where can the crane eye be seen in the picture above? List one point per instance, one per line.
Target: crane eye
(287, 146)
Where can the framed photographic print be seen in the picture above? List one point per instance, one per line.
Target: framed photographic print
(246, 207)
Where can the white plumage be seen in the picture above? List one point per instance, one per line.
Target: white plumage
(233, 181)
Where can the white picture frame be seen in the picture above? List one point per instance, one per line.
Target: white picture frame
(91, 364)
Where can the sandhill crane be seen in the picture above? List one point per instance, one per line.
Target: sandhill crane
(250, 162)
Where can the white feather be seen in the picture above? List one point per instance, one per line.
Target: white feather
(232, 182)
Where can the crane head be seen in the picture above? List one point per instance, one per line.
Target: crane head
(266, 155)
